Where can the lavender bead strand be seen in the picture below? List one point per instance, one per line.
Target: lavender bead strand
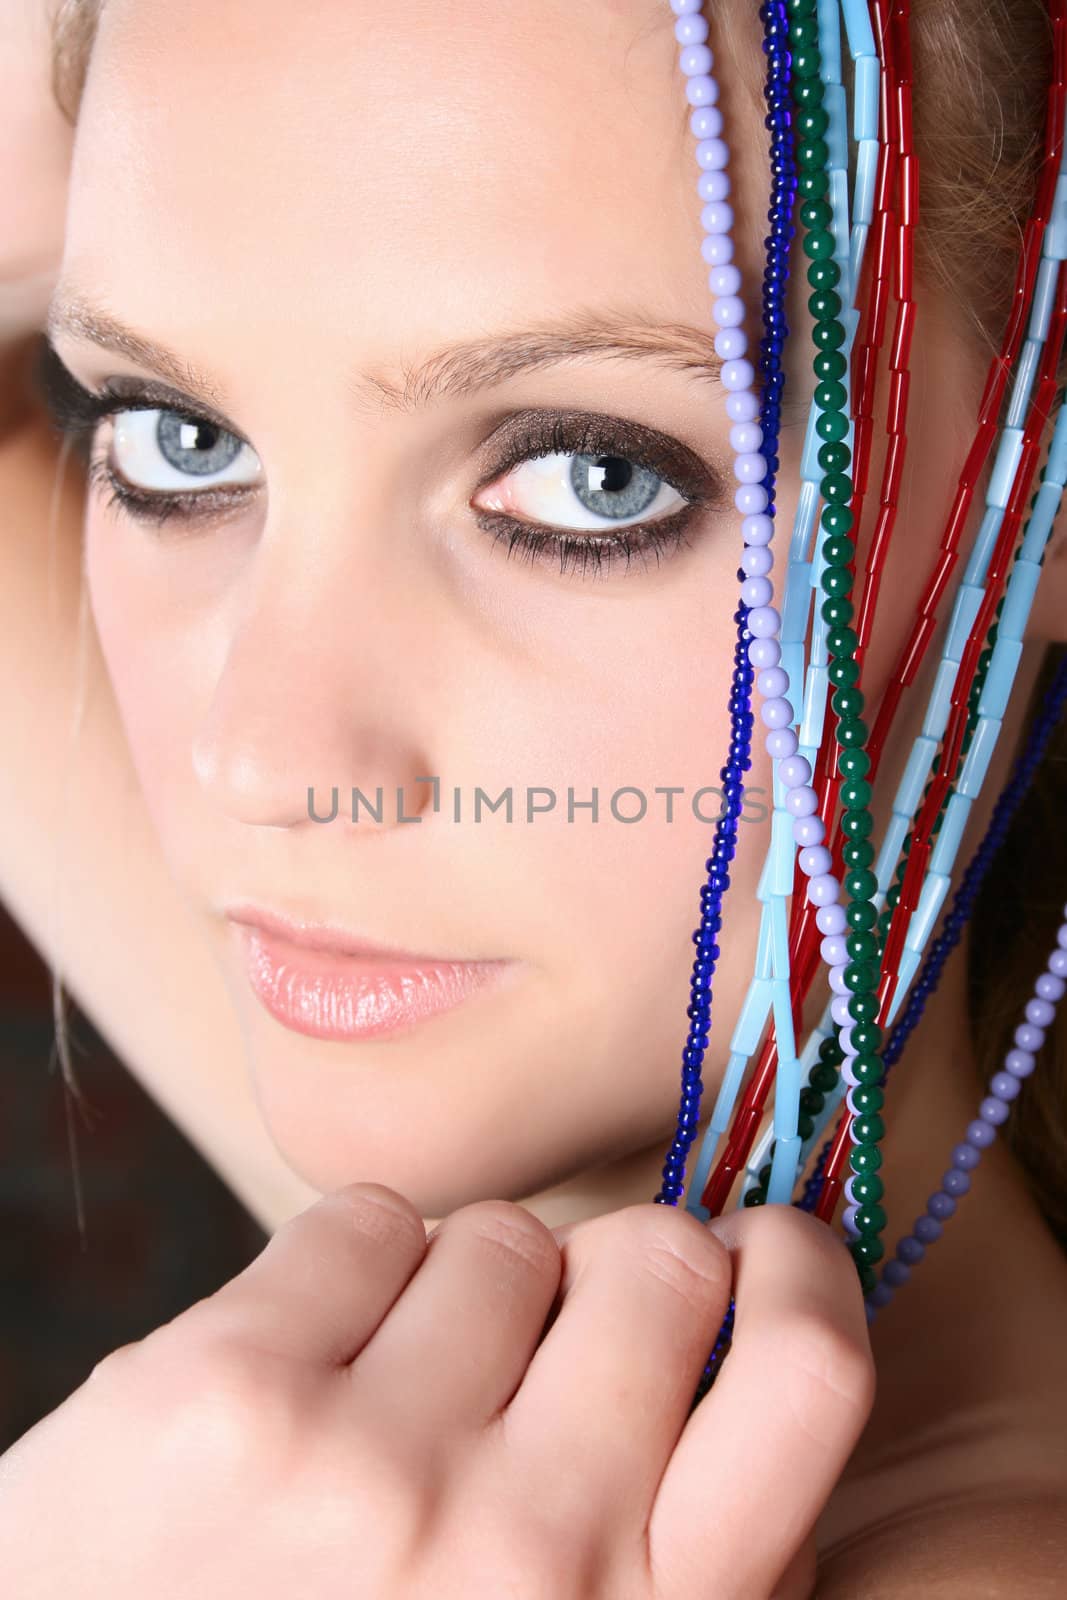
(754, 435)
(713, 186)
(1040, 1013)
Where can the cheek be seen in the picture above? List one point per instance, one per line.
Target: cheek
(158, 665)
(641, 711)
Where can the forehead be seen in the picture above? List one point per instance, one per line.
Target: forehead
(434, 161)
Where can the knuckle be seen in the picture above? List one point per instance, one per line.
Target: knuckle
(829, 1373)
(376, 1212)
(675, 1248)
(227, 1403)
(116, 1367)
(514, 1232)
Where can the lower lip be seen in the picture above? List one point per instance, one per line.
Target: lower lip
(334, 996)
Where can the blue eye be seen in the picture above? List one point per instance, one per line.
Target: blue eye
(578, 492)
(160, 451)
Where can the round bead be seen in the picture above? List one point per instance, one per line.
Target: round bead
(716, 248)
(928, 1230)
(756, 591)
(738, 375)
(1004, 1085)
(993, 1111)
(865, 1158)
(1040, 1013)
(746, 436)
(757, 530)
(695, 59)
(749, 497)
(1020, 1063)
(966, 1156)
(762, 622)
(955, 1182)
(756, 562)
(717, 217)
(1050, 987)
(867, 1249)
(830, 918)
(823, 890)
(839, 1010)
(713, 185)
(981, 1134)
(795, 771)
(1058, 963)
(781, 742)
(941, 1205)
(803, 800)
(750, 468)
(705, 121)
(725, 282)
(808, 830)
(764, 652)
(701, 90)
(729, 312)
(1027, 1037)
(731, 344)
(742, 407)
(870, 1219)
(776, 712)
(773, 681)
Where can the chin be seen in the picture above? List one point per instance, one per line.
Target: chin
(443, 1134)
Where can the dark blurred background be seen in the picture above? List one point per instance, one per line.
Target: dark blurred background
(162, 1229)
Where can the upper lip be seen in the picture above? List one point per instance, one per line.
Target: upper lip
(315, 935)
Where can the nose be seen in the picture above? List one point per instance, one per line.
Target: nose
(316, 695)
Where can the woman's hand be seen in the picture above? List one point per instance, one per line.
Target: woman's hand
(498, 1411)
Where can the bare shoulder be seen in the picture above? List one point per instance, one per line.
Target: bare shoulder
(1003, 1543)
(81, 868)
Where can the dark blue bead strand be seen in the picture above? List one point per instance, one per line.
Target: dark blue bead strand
(778, 96)
(779, 101)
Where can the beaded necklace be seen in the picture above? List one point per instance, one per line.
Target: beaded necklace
(871, 936)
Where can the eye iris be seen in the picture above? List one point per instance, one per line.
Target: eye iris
(194, 446)
(612, 486)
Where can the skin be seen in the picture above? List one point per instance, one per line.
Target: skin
(490, 671)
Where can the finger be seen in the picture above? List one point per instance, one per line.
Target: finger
(453, 1350)
(791, 1400)
(322, 1284)
(607, 1394)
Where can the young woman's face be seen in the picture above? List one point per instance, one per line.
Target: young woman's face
(307, 209)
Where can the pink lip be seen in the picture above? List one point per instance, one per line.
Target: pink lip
(327, 984)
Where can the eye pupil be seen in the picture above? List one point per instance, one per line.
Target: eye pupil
(612, 486)
(192, 435)
(610, 472)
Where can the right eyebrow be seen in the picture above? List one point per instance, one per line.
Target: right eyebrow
(455, 370)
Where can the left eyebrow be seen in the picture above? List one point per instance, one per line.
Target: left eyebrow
(453, 371)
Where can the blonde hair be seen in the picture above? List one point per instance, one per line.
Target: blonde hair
(982, 69)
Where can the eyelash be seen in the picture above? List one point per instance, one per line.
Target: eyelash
(78, 413)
